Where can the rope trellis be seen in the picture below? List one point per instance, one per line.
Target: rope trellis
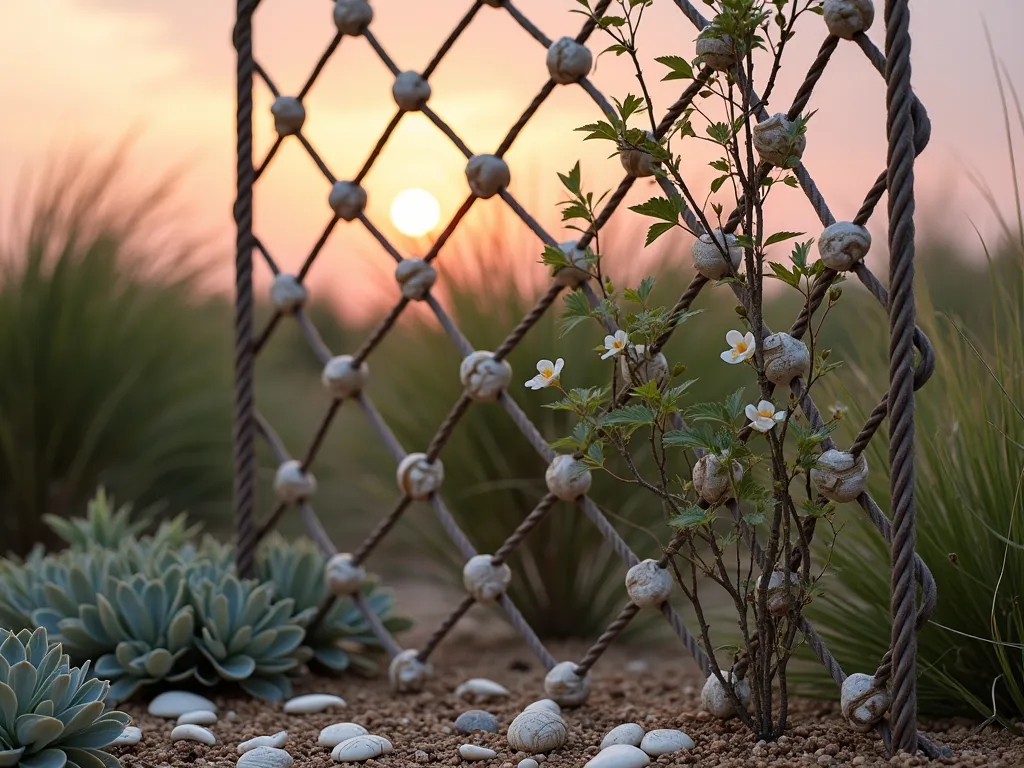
(421, 474)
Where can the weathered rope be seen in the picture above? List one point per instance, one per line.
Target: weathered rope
(446, 626)
(450, 41)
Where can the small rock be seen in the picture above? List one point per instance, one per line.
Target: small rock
(620, 756)
(360, 749)
(665, 742)
(129, 736)
(232, 715)
(276, 741)
(473, 752)
(637, 666)
(549, 704)
(313, 703)
(421, 757)
(193, 733)
(537, 731)
(528, 762)
(480, 689)
(627, 733)
(333, 735)
(476, 720)
(265, 757)
(174, 704)
(199, 717)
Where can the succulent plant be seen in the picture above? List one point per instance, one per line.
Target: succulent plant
(21, 588)
(245, 636)
(51, 714)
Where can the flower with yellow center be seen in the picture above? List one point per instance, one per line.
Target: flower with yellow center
(763, 416)
(615, 344)
(547, 374)
(741, 348)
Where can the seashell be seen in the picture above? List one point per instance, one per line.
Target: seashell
(775, 140)
(313, 703)
(480, 689)
(476, 720)
(276, 741)
(129, 736)
(711, 480)
(843, 245)
(840, 476)
(193, 733)
(577, 274)
(289, 115)
(665, 741)
(483, 377)
(342, 379)
(716, 51)
(619, 756)
(566, 478)
(291, 484)
(845, 18)
(864, 702)
(778, 601)
(418, 478)
(174, 704)
(265, 757)
(352, 17)
(485, 581)
(415, 277)
(627, 733)
(347, 199)
(708, 258)
(198, 717)
(528, 762)
(487, 175)
(566, 687)
(636, 367)
(648, 584)
(287, 293)
(342, 576)
(537, 731)
(568, 61)
(638, 163)
(411, 91)
(333, 735)
(549, 704)
(785, 359)
(715, 699)
(360, 749)
(407, 673)
(473, 752)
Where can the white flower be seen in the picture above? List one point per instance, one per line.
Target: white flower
(763, 416)
(741, 347)
(547, 374)
(615, 344)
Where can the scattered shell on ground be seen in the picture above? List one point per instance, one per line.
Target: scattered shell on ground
(265, 757)
(174, 704)
(476, 720)
(361, 748)
(549, 704)
(627, 733)
(277, 741)
(620, 756)
(528, 762)
(129, 736)
(473, 752)
(193, 733)
(665, 741)
(199, 717)
(480, 689)
(537, 731)
(333, 735)
(312, 703)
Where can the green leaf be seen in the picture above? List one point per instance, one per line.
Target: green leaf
(716, 184)
(753, 518)
(680, 68)
(691, 517)
(656, 231)
(663, 208)
(779, 237)
(599, 130)
(629, 415)
(785, 275)
(571, 181)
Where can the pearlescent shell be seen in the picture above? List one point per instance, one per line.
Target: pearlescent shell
(716, 51)
(785, 358)
(844, 244)
(341, 378)
(480, 689)
(360, 749)
(627, 733)
(840, 476)
(565, 479)
(775, 143)
(636, 367)
(416, 277)
(712, 481)
(715, 699)
(333, 735)
(277, 741)
(313, 703)
(566, 687)
(265, 757)
(665, 741)
(845, 18)
(419, 478)
(487, 175)
(342, 576)
(648, 584)
(407, 674)
(537, 731)
(708, 258)
(568, 61)
(483, 377)
(863, 702)
(193, 733)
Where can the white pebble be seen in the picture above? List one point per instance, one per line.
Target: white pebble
(473, 752)
(174, 704)
(360, 749)
(549, 704)
(312, 703)
(619, 756)
(333, 735)
(528, 762)
(193, 733)
(664, 742)
(265, 757)
(129, 736)
(277, 741)
(199, 717)
(536, 732)
(479, 689)
(627, 733)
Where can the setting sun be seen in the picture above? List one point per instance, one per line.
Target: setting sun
(415, 212)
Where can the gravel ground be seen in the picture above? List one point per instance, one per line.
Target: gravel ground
(662, 692)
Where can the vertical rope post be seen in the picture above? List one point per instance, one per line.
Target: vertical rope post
(900, 131)
(245, 422)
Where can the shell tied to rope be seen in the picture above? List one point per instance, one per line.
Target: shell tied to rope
(484, 580)
(567, 478)
(777, 141)
(352, 17)
(343, 576)
(848, 18)
(487, 175)
(568, 61)
(415, 278)
(289, 115)
(417, 477)
(286, 293)
(564, 686)
(484, 377)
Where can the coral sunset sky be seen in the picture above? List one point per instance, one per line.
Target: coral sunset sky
(92, 72)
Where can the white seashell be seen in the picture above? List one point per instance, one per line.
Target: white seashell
(480, 689)
(333, 735)
(711, 480)
(347, 199)
(417, 478)
(473, 752)
(199, 717)
(289, 115)
(549, 704)
(487, 175)
(566, 687)
(708, 258)
(537, 731)
(840, 476)
(619, 756)
(528, 762)
(568, 61)
(577, 274)
(785, 358)
(864, 703)
(483, 377)
(778, 602)
(193, 733)
(648, 584)
(627, 733)
(174, 704)
(415, 277)
(129, 736)
(636, 367)
(566, 478)
(352, 17)
(411, 91)
(715, 699)
(843, 245)
(845, 18)
(265, 757)
(716, 51)
(342, 379)
(775, 141)
(287, 293)
(313, 703)
(485, 581)
(291, 484)
(638, 163)
(360, 749)
(342, 576)
(276, 741)
(665, 741)
(407, 673)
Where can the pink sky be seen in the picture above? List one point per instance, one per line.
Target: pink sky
(92, 71)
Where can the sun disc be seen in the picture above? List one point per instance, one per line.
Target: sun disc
(415, 212)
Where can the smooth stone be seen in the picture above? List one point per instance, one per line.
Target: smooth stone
(473, 752)
(129, 736)
(360, 749)
(476, 720)
(277, 741)
(627, 733)
(199, 717)
(537, 732)
(480, 689)
(619, 756)
(528, 762)
(191, 732)
(549, 704)
(312, 703)
(174, 704)
(333, 735)
(265, 757)
(665, 741)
